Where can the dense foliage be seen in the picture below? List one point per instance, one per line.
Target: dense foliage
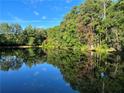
(13, 34)
(95, 24)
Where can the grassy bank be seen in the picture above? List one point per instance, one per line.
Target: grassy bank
(83, 48)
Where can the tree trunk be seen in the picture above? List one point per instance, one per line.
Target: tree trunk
(104, 14)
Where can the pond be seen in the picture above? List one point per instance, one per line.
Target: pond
(59, 71)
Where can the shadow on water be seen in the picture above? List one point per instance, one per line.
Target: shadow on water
(85, 73)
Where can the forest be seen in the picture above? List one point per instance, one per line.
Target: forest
(14, 35)
(95, 25)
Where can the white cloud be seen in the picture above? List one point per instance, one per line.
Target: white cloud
(68, 1)
(36, 13)
(29, 21)
(32, 3)
(35, 1)
(44, 17)
(15, 18)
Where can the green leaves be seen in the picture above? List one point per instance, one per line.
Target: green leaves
(93, 23)
(13, 34)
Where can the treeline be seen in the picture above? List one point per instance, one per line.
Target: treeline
(14, 35)
(94, 25)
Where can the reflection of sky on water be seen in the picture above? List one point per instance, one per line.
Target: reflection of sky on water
(9, 58)
(43, 78)
(21, 72)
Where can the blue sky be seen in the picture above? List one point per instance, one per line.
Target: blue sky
(38, 13)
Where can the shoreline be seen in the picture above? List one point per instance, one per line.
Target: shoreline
(20, 47)
(40, 46)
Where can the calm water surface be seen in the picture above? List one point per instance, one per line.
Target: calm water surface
(33, 71)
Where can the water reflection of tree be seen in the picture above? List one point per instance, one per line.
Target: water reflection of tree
(87, 73)
(91, 72)
(14, 59)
